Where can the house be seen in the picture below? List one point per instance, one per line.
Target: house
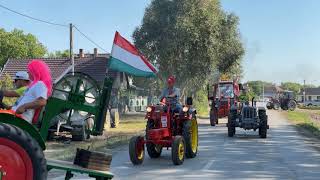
(271, 91)
(95, 65)
(311, 94)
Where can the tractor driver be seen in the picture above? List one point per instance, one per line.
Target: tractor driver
(228, 92)
(35, 97)
(172, 94)
(21, 82)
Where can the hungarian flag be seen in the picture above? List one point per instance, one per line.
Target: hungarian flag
(125, 57)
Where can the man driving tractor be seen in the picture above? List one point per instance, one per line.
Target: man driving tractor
(21, 82)
(172, 94)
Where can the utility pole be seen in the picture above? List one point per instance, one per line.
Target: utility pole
(304, 91)
(263, 92)
(71, 48)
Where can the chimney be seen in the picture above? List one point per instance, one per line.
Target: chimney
(95, 52)
(81, 54)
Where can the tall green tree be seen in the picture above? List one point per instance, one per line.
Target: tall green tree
(17, 44)
(59, 54)
(256, 86)
(190, 39)
(295, 87)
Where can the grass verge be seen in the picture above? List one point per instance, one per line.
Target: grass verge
(304, 121)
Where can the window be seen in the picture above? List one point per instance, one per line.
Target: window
(310, 98)
(318, 97)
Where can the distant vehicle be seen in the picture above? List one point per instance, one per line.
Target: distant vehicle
(312, 103)
(287, 101)
(273, 103)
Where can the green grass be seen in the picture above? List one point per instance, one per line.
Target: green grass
(310, 107)
(303, 120)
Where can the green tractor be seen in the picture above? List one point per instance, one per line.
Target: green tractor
(22, 144)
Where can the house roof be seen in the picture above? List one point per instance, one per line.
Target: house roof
(95, 67)
(310, 91)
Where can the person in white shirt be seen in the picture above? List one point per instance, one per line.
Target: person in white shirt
(35, 97)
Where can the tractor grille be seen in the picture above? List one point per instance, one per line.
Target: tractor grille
(249, 112)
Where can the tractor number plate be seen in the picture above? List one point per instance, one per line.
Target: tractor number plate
(164, 121)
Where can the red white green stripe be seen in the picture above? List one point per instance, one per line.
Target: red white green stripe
(125, 57)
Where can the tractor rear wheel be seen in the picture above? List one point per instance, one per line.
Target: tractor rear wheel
(190, 135)
(292, 105)
(264, 124)
(136, 150)
(154, 151)
(232, 123)
(21, 157)
(178, 150)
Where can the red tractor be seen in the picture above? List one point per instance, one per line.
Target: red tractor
(225, 94)
(167, 128)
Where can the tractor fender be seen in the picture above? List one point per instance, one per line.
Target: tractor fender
(261, 109)
(11, 119)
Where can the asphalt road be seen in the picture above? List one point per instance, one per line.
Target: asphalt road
(283, 155)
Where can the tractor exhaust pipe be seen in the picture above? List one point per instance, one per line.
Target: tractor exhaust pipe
(252, 101)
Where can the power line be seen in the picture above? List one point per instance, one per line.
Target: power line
(33, 18)
(89, 39)
(55, 24)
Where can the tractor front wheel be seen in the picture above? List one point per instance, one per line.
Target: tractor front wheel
(136, 150)
(21, 157)
(178, 150)
(190, 134)
(276, 106)
(79, 133)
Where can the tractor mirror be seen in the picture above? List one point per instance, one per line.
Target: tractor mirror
(189, 101)
(241, 87)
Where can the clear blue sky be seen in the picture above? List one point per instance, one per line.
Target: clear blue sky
(281, 37)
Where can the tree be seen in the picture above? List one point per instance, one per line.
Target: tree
(256, 86)
(190, 39)
(295, 87)
(59, 54)
(7, 83)
(16, 44)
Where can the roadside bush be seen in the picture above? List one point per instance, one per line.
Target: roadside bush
(201, 103)
(7, 83)
(309, 107)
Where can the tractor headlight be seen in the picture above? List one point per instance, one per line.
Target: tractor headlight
(185, 109)
(149, 109)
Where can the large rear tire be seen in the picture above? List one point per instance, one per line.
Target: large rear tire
(232, 123)
(136, 150)
(264, 124)
(178, 150)
(292, 105)
(213, 117)
(190, 135)
(21, 157)
(154, 151)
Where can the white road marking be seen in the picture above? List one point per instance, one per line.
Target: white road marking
(208, 165)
